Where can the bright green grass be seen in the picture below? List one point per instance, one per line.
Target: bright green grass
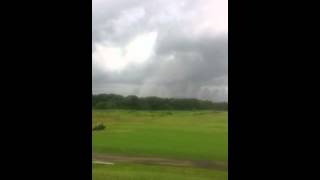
(194, 135)
(143, 172)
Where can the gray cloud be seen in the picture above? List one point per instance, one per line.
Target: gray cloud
(190, 56)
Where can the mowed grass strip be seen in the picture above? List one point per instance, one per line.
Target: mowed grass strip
(152, 172)
(194, 135)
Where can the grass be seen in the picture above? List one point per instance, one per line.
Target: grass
(143, 172)
(182, 135)
(186, 135)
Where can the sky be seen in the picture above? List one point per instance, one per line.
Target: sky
(161, 48)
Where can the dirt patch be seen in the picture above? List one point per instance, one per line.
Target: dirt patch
(160, 161)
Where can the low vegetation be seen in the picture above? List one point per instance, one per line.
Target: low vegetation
(99, 127)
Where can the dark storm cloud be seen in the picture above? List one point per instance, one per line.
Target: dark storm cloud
(198, 69)
(186, 62)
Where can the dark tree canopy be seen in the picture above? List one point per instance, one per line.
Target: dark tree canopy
(114, 101)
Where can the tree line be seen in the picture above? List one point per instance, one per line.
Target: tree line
(114, 101)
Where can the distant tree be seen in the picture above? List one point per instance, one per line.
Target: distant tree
(114, 101)
(132, 102)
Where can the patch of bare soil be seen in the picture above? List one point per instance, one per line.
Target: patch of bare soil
(159, 161)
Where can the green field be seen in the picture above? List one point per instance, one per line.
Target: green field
(143, 172)
(179, 135)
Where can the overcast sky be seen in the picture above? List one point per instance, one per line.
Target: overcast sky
(161, 48)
